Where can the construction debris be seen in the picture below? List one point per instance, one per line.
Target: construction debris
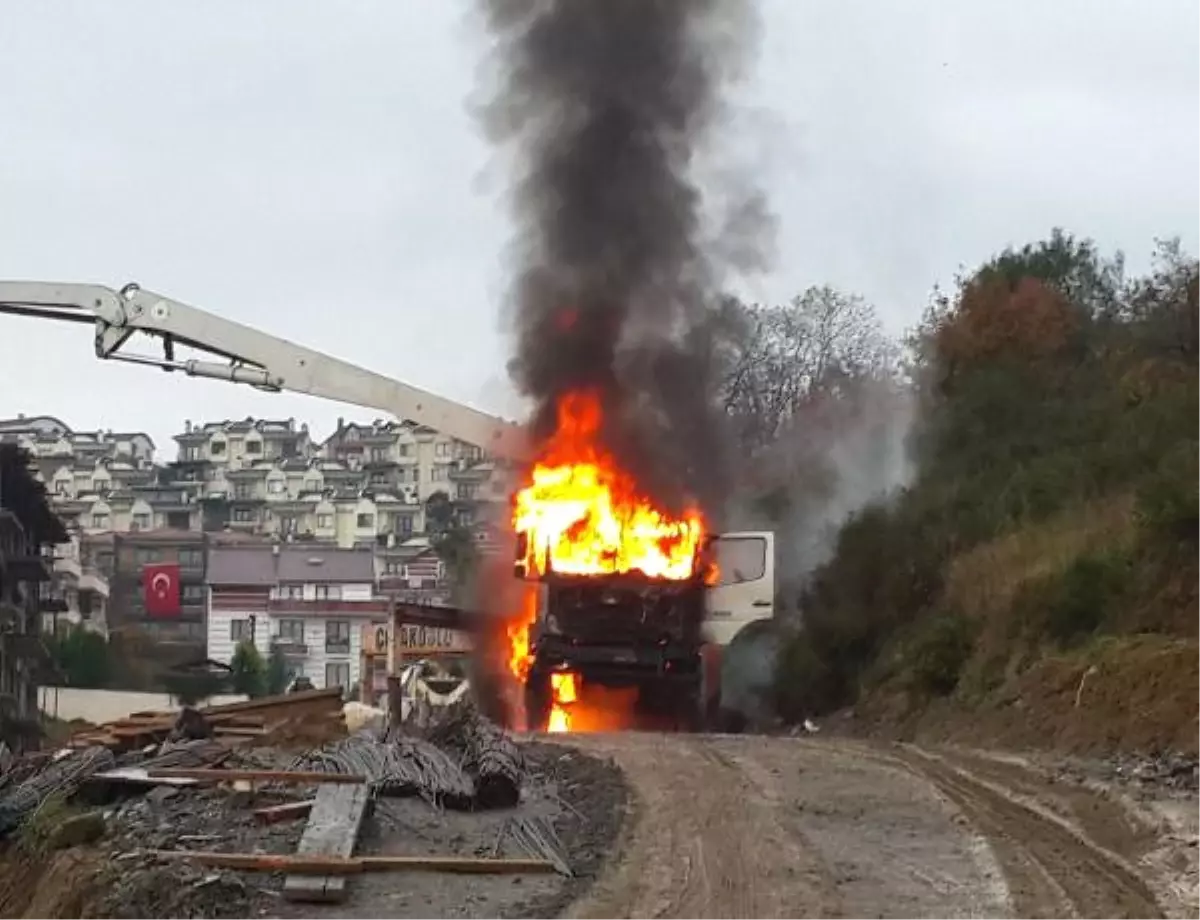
(332, 834)
(488, 754)
(214, 804)
(354, 865)
(395, 767)
(291, 715)
(62, 777)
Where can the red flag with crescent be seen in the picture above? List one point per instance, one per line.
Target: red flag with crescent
(160, 582)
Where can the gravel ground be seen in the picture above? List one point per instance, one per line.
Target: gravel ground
(581, 797)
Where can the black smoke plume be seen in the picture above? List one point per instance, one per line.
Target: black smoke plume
(607, 105)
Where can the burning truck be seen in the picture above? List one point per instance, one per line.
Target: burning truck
(628, 609)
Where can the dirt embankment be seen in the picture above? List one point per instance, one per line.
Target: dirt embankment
(1132, 695)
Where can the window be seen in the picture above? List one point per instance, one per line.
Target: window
(366, 520)
(440, 473)
(337, 675)
(143, 555)
(243, 490)
(329, 592)
(442, 449)
(337, 637)
(378, 478)
(467, 490)
(289, 523)
(254, 447)
(741, 559)
(324, 521)
(405, 450)
(290, 631)
(140, 522)
(404, 524)
(62, 487)
(193, 594)
(291, 592)
(379, 454)
(243, 515)
(312, 485)
(240, 631)
(191, 558)
(100, 520)
(275, 486)
(217, 448)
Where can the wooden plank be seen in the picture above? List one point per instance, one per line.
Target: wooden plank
(137, 776)
(341, 866)
(288, 811)
(262, 776)
(333, 825)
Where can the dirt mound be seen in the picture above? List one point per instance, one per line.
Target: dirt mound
(1119, 694)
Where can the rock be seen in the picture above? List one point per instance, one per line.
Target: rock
(160, 794)
(76, 830)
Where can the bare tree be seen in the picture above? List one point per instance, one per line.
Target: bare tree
(780, 359)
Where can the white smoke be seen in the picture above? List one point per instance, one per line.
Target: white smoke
(842, 452)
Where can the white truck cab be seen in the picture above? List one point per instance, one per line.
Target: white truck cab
(745, 588)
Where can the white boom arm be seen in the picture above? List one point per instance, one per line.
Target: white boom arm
(255, 358)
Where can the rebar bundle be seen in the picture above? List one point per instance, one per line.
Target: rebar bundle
(63, 777)
(405, 766)
(536, 836)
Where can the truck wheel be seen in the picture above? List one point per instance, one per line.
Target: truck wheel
(537, 701)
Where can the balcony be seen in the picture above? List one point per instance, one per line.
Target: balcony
(68, 565)
(291, 648)
(51, 600)
(27, 565)
(93, 581)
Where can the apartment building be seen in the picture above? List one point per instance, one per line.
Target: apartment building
(366, 484)
(79, 592)
(122, 559)
(314, 603)
(28, 533)
(100, 480)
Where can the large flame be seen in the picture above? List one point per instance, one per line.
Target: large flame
(582, 515)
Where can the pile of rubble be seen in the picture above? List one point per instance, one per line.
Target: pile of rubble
(196, 820)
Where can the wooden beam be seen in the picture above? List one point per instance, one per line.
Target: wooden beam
(334, 822)
(262, 776)
(288, 811)
(298, 864)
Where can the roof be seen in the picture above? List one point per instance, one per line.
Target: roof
(269, 565)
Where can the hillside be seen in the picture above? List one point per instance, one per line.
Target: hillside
(1035, 584)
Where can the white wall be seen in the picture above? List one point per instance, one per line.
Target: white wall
(109, 705)
(221, 646)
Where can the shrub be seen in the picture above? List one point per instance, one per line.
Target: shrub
(1072, 604)
(938, 652)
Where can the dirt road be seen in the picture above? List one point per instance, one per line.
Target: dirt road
(770, 827)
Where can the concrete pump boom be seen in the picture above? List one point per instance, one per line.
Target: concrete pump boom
(255, 358)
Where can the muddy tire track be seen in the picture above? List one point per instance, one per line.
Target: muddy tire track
(1053, 869)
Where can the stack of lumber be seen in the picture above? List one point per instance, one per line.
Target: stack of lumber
(249, 721)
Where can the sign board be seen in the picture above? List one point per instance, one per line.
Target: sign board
(375, 639)
(414, 640)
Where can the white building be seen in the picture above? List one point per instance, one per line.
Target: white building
(312, 602)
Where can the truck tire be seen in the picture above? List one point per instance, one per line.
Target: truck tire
(538, 700)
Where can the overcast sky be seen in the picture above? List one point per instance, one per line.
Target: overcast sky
(312, 168)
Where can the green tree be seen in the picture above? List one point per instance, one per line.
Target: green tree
(82, 656)
(248, 671)
(278, 671)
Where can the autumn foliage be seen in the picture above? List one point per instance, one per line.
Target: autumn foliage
(994, 320)
(1058, 410)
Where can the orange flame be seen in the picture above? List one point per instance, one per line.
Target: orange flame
(565, 690)
(582, 515)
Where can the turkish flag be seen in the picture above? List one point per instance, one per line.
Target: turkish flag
(160, 583)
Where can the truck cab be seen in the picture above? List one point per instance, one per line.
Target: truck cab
(744, 591)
